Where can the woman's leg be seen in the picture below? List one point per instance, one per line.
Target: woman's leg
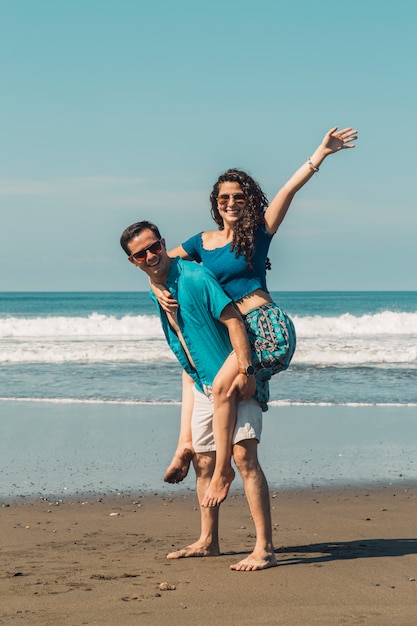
(224, 421)
(272, 338)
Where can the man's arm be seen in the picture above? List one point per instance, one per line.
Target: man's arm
(243, 384)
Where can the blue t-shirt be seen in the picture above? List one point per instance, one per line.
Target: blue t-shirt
(201, 302)
(233, 273)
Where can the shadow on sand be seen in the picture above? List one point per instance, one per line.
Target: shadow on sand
(339, 550)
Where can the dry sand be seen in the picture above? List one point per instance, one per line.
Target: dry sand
(345, 556)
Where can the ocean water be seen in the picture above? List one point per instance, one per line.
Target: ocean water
(354, 349)
(90, 393)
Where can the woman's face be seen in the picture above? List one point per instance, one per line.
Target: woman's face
(231, 202)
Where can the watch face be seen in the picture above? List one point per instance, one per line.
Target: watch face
(250, 370)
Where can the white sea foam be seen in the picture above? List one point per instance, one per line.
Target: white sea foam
(95, 325)
(387, 338)
(273, 403)
(91, 401)
(350, 404)
(45, 350)
(386, 323)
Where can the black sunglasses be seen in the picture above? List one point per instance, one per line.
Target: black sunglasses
(154, 248)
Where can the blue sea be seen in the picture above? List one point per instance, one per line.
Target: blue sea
(90, 393)
(354, 348)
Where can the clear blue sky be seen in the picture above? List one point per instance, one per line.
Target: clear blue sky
(114, 111)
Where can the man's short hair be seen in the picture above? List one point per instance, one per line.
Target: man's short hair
(134, 230)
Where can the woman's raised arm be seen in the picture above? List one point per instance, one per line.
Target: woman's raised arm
(333, 141)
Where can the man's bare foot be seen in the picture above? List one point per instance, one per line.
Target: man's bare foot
(218, 488)
(195, 549)
(255, 562)
(179, 466)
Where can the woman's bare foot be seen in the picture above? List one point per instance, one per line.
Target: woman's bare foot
(179, 466)
(256, 562)
(218, 488)
(195, 549)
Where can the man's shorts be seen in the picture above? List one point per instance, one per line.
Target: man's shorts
(248, 422)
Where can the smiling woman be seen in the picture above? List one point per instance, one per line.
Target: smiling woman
(237, 254)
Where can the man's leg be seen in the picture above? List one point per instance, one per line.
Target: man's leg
(204, 460)
(208, 542)
(245, 454)
(180, 464)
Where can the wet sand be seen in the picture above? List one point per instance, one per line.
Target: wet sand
(65, 448)
(345, 556)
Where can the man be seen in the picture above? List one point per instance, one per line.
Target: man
(202, 335)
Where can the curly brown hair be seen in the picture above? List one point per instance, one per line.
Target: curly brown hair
(253, 216)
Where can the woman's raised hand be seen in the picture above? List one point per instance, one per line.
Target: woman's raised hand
(336, 140)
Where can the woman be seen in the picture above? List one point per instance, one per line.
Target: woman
(237, 254)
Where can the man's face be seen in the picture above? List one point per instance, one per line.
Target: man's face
(155, 261)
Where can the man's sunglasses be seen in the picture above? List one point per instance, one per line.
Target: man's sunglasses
(239, 198)
(154, 248)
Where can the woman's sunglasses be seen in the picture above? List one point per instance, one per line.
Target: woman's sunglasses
(154, 248)
(239, 198)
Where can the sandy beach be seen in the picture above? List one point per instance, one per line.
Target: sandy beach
(345, 556)
(86, 521)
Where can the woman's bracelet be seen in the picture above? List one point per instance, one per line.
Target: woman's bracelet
(312, 167)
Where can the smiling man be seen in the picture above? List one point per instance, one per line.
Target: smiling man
(202, 333)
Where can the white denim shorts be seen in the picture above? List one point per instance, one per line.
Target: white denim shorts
(248, 421)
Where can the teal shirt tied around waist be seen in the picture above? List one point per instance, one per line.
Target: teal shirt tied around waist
(201, 302)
